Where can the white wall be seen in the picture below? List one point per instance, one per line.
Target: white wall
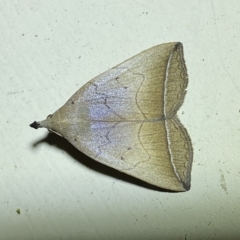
(48, 49)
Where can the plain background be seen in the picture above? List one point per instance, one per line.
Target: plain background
(49, 49)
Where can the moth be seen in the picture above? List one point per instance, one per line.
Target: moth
(126, 118)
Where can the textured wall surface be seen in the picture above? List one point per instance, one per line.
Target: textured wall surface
(49, 190)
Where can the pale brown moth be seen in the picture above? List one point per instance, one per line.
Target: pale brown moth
(126, 118)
